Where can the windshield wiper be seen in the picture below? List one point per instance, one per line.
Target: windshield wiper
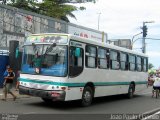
(34, 47)
(50, 48)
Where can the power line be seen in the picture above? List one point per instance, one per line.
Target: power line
(153, 39)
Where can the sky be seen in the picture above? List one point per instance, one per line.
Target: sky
(122, 19)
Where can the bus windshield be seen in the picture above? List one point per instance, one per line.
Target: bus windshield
(49, 59)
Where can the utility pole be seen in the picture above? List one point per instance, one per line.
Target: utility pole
(144, 29)
(143, 39)
(98, 19)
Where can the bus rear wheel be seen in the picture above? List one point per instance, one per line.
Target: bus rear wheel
(87, 96)
(131, 91)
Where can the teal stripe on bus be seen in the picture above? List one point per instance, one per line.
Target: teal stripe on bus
(79, 84)
(53, 83)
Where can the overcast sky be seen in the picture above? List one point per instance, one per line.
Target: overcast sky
(122, 19)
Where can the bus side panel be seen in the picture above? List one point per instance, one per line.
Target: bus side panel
(140, 88)
(74, 93)
(106, 90)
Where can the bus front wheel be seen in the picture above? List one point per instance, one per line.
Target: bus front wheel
(131, 91)
(87, 96)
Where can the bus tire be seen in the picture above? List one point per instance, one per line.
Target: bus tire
(87, 96)
(131, 91)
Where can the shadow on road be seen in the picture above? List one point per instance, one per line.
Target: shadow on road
(76, 104)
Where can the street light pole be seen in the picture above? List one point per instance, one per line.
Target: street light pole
(98, 19)
(132, 42)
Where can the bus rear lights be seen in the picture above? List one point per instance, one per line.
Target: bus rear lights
(55, 94)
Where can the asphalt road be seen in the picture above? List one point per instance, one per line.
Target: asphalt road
(105, 107)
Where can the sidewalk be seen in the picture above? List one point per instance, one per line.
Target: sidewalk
(14, 92)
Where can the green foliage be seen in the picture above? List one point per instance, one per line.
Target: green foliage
(82, 1)
(58, 9)
(150, 66)
(29, 5)
(54, 8)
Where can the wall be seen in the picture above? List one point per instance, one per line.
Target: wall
(16, 24)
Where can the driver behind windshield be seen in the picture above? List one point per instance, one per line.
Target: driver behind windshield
(37, 62)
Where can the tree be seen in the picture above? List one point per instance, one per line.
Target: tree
(81, 1)
(54, 8)
(29, 5)
(150, 66)
(57, 9)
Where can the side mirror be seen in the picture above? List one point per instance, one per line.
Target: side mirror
(77, 52)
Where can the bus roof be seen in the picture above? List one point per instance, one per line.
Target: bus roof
(102, 44)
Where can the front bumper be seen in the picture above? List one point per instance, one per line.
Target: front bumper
(55, 95)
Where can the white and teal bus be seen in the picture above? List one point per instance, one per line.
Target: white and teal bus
(74, 68)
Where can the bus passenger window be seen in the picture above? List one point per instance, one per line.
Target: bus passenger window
(139, 64)
(132, 61)
(75, 61)
(102, 58)
(123, 61)
(145, 65)
(114, 60)
(91, 61)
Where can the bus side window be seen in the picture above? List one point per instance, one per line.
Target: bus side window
(102, 58)
(139, 63)
(114, 60)
(75, 61)
(91, 56)
(127, 62)
(123, 61)
(108, 59)
(132, 61)
(144, 65)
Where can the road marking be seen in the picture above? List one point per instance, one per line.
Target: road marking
(146, 93)
(30, 113)
(143, 93)
(152, 116)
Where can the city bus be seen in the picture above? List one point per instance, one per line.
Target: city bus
(64, 67)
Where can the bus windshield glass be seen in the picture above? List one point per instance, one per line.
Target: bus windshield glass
(48, 59)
